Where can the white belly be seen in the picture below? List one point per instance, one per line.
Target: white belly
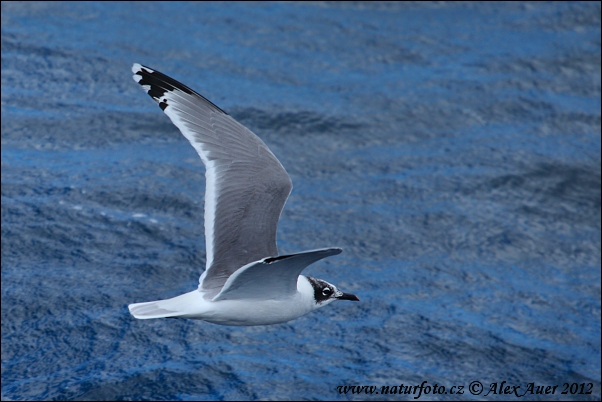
(251, 312)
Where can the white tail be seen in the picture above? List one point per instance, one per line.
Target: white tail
(178, 306)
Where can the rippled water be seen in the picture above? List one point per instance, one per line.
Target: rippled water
(451, 150)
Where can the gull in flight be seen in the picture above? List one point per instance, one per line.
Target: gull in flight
(245, 281)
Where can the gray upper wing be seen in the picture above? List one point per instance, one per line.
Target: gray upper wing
(271, 278)
(246, 185)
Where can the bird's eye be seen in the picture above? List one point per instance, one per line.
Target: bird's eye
(326, 291)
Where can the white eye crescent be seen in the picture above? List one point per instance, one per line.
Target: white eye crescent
(326, 291)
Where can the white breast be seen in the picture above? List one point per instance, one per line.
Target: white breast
(260, 312)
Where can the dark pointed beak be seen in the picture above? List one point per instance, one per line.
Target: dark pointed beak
(348, 296)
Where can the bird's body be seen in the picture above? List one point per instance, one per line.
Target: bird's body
(245, 281)
(235, 312)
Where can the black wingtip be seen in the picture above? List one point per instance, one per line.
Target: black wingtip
(159, 83)
(337, 250)
(327, 252)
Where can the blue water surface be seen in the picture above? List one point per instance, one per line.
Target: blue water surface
(452, 150)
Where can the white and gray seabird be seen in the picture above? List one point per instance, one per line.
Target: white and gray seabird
(245, 281)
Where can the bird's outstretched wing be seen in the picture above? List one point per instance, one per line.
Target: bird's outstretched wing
(271, 278)
(246, 185)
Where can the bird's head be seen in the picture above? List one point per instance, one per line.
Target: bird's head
(325, 293)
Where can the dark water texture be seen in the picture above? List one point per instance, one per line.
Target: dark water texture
(451, 150)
